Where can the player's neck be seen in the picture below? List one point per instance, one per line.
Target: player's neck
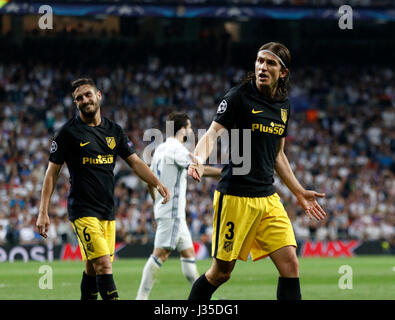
(267, 91)
(179, 138)
(93, 121)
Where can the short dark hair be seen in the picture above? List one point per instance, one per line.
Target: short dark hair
(82, 81)
(180, 120)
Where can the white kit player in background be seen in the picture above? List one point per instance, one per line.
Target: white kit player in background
(170, 163)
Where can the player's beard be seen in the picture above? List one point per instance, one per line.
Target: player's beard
(90, 114)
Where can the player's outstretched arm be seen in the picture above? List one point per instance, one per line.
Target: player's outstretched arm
(212, 172)
(145, 174)
(203, 150)
(306, 198)
(50, 179)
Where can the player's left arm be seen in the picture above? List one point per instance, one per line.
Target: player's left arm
(145, 174)
(306, 198)
(151, 191)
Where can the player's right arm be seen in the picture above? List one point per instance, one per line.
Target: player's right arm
(208, 171)
(224, 119)
(212, 172)
(203, 150)
(50, 179)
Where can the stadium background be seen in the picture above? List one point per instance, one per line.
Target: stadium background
(152, 57)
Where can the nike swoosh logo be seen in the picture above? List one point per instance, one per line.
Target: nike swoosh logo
(111, 292)
(256, 111)
(84, 144)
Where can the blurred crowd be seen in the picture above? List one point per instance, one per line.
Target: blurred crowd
(341, 142)
(364, 3)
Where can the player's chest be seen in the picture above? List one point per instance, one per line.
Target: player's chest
(264, 118)
(93, 146)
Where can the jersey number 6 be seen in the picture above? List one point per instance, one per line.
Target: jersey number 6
(87, 236)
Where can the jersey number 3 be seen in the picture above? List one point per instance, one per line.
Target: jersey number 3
(230, 233)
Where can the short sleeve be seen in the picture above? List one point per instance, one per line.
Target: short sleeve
(57, 153)
(126, 147)
(226, 111)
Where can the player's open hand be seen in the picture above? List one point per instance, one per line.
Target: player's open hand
(195, 169)
(42, 224)
(164, 192)
(310, 205)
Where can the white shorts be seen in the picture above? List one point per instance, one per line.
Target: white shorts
(172, 233)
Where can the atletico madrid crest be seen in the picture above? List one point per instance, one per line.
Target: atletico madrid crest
(284, 115)
(111, 142)
(228, 246)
